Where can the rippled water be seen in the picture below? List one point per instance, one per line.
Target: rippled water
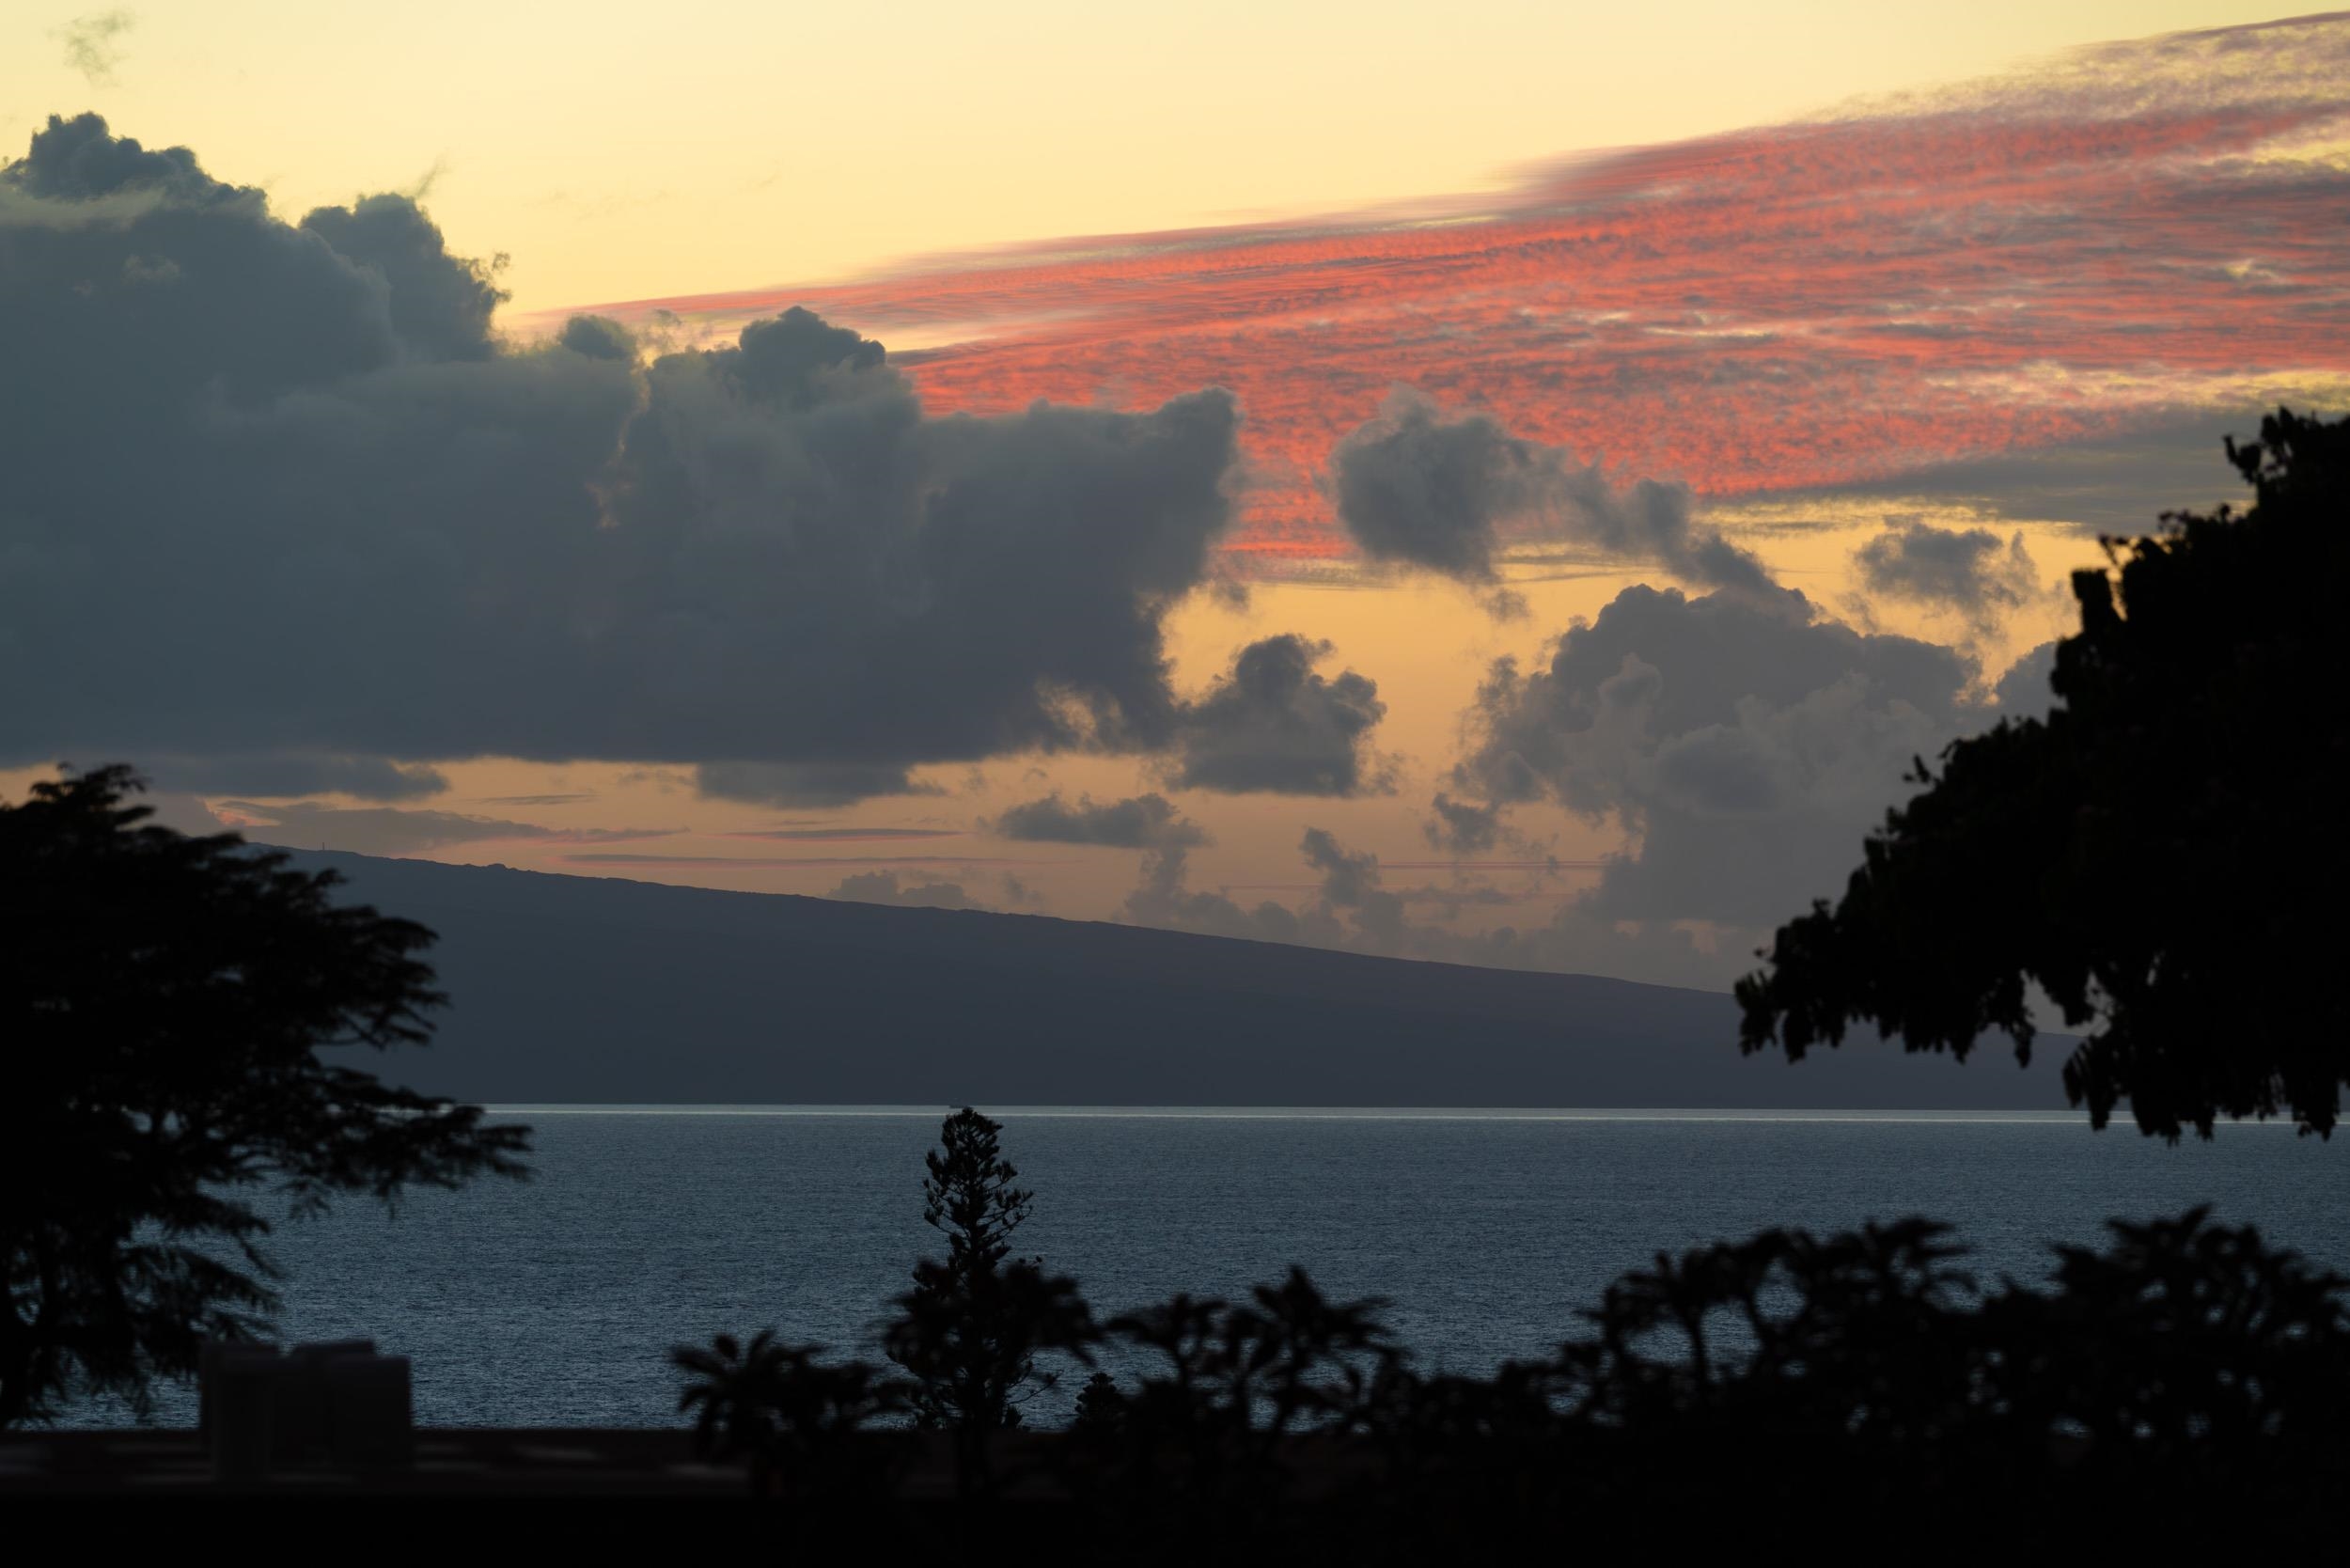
(553, 1302)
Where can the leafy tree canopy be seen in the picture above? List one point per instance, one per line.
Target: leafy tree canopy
(171, 1010)
(2160, 855)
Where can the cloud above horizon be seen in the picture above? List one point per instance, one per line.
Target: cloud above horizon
(1444, 495)
(1745, 742)
(1140, 821)
(285, 495)
(93, 44)
(1971, 573)
(1273, 724)
(290, 512)
(394, 831)
(2139, 237)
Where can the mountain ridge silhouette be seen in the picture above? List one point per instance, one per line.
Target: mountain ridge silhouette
(603, 990)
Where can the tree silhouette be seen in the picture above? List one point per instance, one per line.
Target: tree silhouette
(2158, 855)
(970, 1330)
(169, 1007)
(1101, 1412)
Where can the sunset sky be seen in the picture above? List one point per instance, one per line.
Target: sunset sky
(1516, 484)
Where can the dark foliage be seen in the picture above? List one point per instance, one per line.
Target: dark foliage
(171, 1009)
(2187, 1370)
(794, 1421)
(1101, 1414)
(2188, 1373)
(2157, 855)
(1235, 1388)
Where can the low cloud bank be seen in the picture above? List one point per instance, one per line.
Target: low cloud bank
(275, 490)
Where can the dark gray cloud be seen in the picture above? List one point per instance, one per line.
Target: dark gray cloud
(297, 773)
(1463, 826)
(1968, 572)
(439, 305)
(386, 830)
(93, 44)
(1744, 742)
(1415, 487)
(1353, 909)
(1351, 881)
(2120, 483)
(1273, 724)
(271, 487)
(885, 887)
(1162, 897)
(1141, 821)
(806, 784)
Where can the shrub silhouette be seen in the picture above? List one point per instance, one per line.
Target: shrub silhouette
(171, 1007)
(1232, 1384)
(2156, 855)
(795, 1421)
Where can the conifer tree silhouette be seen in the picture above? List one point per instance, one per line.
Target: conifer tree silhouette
(969, 1332)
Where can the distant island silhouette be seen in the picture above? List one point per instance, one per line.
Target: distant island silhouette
(598, 990)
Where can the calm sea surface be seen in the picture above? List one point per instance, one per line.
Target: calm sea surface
(553, 1302)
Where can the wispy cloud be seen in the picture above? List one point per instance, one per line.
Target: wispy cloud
(620, 858)
(2061, 254)
(845, 835)
(93, 44)
(389, 830)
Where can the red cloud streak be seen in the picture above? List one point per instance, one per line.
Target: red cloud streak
(2133, 232)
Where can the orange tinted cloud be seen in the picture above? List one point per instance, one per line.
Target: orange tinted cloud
(2136, 232)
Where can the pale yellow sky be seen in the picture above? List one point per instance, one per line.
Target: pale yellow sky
(618, 151)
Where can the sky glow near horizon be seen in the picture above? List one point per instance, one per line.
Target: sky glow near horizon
(1904, 343)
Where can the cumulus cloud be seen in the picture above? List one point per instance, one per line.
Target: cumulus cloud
(1273, 724)
(1141, 821)
(1352, 909)
(387, 830)
(1162, 898)
(1350, 880)
(1417, 488)
(885, 887)
(1746, 743)
(273, 487)
(1966, 571)
(1461, 826)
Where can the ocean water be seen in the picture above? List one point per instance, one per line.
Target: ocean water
(553, 1302)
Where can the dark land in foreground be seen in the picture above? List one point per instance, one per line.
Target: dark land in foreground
(584, 989)
(1718, 1493)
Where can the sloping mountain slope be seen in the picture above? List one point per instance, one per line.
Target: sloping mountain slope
(580, 989)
